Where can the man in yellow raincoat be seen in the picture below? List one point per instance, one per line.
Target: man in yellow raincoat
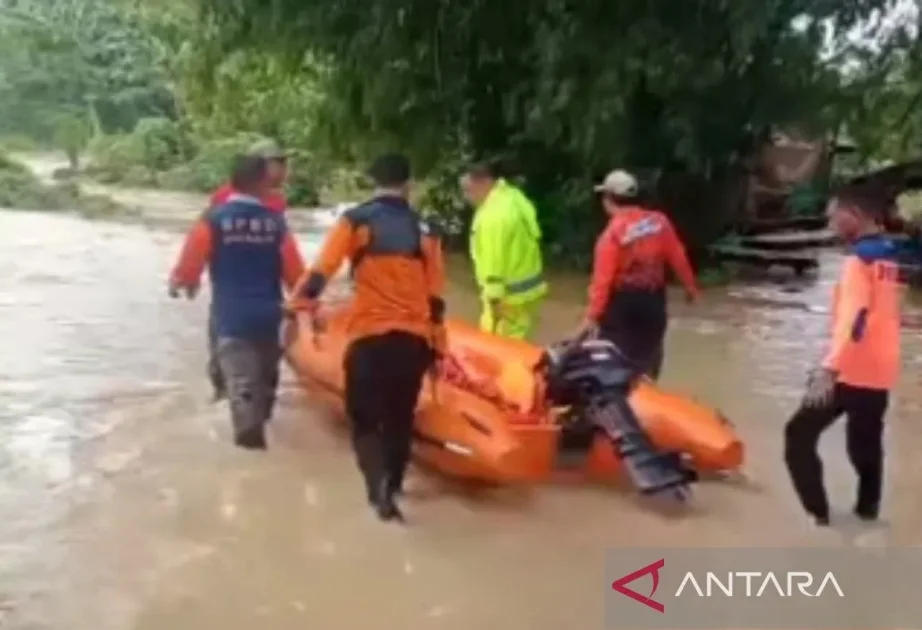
(505, 246)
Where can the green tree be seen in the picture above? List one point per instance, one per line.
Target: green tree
(72, 133)
(882, 108)
(565, 90)
(78, 57)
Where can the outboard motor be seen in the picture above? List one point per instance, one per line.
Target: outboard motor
(594, 378)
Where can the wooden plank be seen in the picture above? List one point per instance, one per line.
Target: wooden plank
(765, 258)
(790, 240)
(780, 225)
(896, 178)
(760, 254)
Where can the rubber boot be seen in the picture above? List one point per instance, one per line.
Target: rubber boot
(215, 375)
(866, 513)
(269, 408)
(218, 384)
(218, 394)
(253, 439)
(368, 453)
(397, 458)
(386, 504)
(395, 482)
(867, 505)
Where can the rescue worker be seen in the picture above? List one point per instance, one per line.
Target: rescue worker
(395, 325)
(274, 200)
(893, 223)
(861, 365)
(627, 293)
(249, 252)
(277, 163)
(505, 248)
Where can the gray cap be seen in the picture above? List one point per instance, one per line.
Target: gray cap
(620, 183)
(268, 149)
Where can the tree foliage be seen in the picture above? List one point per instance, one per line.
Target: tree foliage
(560, 90)
(82, 58)
(882, 90)
(566, 89)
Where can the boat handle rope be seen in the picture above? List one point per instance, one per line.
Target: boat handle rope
(316, 328)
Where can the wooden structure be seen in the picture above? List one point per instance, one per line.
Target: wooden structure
(799, 262)
(787, 175)
(772, 226)
(893, 180)
(782, 217)
(789, 241)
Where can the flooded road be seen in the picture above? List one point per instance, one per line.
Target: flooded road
(124, 507)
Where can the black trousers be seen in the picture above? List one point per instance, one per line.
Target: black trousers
(864, 410)
(635, 321)
(384, 375)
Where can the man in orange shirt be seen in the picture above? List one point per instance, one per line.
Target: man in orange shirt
(627, 293)
(250, 253)
(861, 365)
(395, 325)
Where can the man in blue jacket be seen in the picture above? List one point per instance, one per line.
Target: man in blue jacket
(250, 253)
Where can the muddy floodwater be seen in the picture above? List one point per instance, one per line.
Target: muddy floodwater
(124, 507)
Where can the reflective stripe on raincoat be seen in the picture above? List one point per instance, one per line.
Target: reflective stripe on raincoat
(506, 247)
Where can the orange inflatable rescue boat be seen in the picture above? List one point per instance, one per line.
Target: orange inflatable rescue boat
(492, 413)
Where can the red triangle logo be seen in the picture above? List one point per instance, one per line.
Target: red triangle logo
(620, 585)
